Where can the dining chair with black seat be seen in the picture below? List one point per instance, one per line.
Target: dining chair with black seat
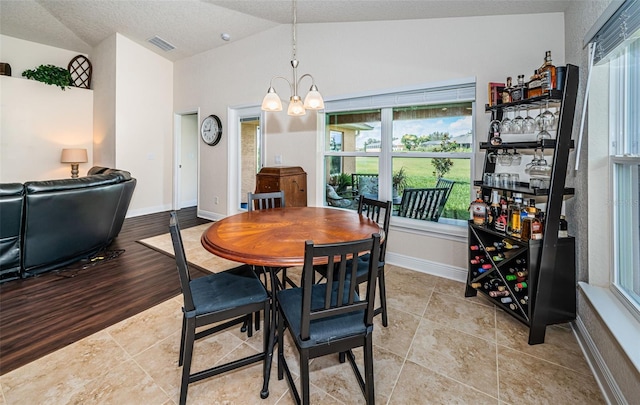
(229, 297)
(375, 210)
(330, 317)
(262, 201)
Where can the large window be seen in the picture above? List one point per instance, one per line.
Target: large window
(624, 122)
(408, 140)
(614, 103)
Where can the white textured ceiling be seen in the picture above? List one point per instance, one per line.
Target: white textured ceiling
(194, 26)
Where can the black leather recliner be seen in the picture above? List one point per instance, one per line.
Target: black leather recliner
(11, 204)
(62, 221)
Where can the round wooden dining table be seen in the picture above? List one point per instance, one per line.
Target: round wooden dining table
(275, 237)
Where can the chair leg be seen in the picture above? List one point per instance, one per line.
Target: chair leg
(383, 297)
(342, 357)
(182, 336)
(304, 376)
(188, 352)
(368, 370)
(257, 324)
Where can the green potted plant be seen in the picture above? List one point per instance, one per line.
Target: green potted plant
(50, 74)
(399, 181)
(340, 182)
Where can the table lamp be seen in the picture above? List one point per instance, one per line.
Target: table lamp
(75, 157)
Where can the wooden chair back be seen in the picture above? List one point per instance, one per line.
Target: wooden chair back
(374, 209)
(339, 295)
(181, 262)
(263, 201)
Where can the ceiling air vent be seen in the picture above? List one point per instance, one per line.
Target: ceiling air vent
(161, 43)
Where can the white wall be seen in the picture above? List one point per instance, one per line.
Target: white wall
(348, 58)
(144, 124)
(104, 102)
(23, 55)
(38, 120)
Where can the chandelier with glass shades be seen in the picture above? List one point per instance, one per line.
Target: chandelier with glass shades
(313, 100)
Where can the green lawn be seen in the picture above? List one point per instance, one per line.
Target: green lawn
(420, 175)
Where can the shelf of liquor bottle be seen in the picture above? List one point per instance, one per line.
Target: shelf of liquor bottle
(548, 144)
(503, 235)
(520, 312)
(524, 188)
(555, 96)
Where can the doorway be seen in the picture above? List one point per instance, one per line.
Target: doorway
(250, 152)
(185, 193)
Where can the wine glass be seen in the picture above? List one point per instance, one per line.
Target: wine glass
(546, 123)
(494, 132)
(516, 158)
(529, 124)
(547, 118)
(533, 162)
(517, 122)
(505, 124)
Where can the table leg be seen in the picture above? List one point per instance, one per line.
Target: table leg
(272, 333)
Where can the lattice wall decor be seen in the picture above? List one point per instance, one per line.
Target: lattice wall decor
(80, 69)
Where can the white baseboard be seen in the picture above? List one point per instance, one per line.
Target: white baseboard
(188, 204)
(601, 372)
(148, 210)
(211, 216)
(427, 266)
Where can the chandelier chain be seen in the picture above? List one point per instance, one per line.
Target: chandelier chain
(293, 28)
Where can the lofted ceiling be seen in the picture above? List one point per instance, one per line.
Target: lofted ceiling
(195, 26)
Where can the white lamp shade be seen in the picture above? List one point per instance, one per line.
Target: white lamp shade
(313, 100)
(271, 102)
(295, 106)
(74, 156)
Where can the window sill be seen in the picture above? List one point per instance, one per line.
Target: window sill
(624, 327)
(432, 229)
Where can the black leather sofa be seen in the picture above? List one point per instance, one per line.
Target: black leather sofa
(45, 225)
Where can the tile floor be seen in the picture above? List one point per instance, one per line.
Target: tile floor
(439, 348)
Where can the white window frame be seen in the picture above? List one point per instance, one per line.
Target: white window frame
(450, 91)
(621, 138)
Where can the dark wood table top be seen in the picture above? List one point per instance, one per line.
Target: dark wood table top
(275, 237)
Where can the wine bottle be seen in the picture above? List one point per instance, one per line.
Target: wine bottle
(514, 225)
(492, 284)
(536, 229)
(520, 286)
(506, 93)
(517, 93)
(534, 87)
(479, 210)
(563, 227)
(547, 74)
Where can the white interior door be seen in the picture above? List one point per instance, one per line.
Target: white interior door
(186, 161)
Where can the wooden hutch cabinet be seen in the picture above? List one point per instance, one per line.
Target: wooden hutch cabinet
(290, 179)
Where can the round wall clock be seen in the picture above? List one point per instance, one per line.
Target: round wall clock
(211, 130)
